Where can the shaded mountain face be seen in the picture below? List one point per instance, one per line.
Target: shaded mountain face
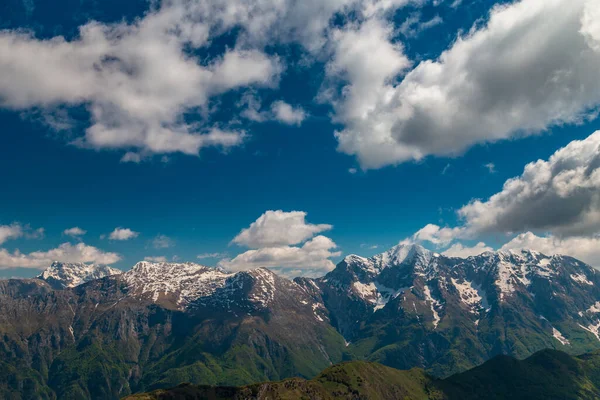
(548, 374)
(160, 324)
(68, 275)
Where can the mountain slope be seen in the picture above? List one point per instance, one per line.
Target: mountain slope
(548, 374)
(107, 338)
(350, 380)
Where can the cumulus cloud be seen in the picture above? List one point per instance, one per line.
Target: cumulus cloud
(66, 252)
(278, 228)
(287, 114)
(140, 80)
(8, 232)
(437, 235)
(533, 65)
(272, 238)
(137, 80)
(123, 234)
(366, 59)
(462, 251)
(279, 111)
(17, 230)
(560, 195)
(74, 232)
(586, 249)
(312, 258)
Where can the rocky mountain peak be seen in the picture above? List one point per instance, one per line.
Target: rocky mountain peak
(174, 283)
(67, 275)
(404, 253)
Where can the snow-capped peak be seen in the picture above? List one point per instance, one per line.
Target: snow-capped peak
(404, 252)
(180, 283)
(68, 275)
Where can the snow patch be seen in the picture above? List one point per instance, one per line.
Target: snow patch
(385, 294)
(367, 291)
(594, 329)
(264, 292)
(559, 336)
(315, 307)
(594, 309)
(432, 303)
(184, 282)
(581, 278)
(472, 295)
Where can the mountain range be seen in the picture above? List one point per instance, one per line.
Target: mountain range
(84, 331)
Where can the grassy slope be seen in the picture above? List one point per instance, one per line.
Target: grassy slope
(351, 380)
(546, 375)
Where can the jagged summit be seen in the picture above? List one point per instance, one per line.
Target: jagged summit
(179, 283)
(68, 275)
(184, 285)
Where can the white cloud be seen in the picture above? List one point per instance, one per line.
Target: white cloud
(123, 234)
(367, 61)
(8, 232)
(156, 259)
(491, 167)
(132, 157)
(278, 228)
(313, 257)
(560, 195)
(162, 242)
(140, 80)
(211, 255)
(369, 246)
(272, 237)
(352, 170)
(17, 230)
(532, 66)
(279, 111)
(462, 251)
(66, 252)
(413, 25)
(437, 235)
(74, 232)
(590, 24)
(137, 80)
(586, 249)
(287, 114)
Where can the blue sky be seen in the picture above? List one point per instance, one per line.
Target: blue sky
(199, 194)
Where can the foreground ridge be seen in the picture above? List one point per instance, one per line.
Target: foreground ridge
(548, 374)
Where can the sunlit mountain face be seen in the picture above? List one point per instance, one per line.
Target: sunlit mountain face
(232, 191)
